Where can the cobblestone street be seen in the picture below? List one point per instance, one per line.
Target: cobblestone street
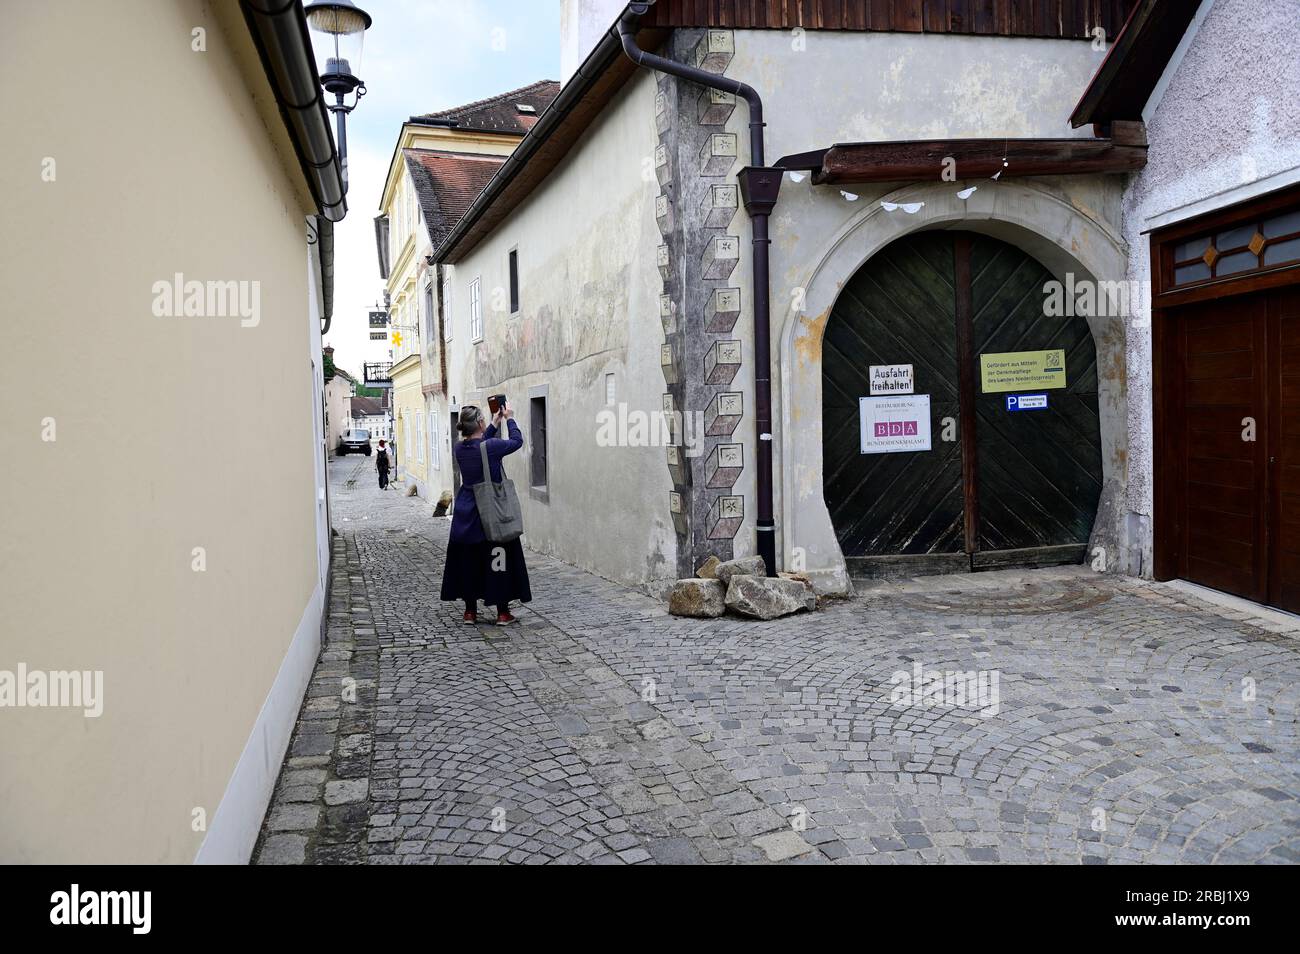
(1116, 722)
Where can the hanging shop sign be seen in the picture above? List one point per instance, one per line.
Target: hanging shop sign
(891, 379)
(1026, 402)
(892, 425)
(1022, 371)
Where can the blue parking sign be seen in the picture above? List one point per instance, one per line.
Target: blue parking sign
(1026, 402)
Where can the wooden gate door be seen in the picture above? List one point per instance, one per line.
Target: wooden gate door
(899, 308)
(1039, 470)
(997, 487)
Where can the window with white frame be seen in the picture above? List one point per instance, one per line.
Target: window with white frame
(406, 435)
(419, 436)
(475, 312)
(429, 319)
(609, 388)
(448, 313)
(434, 451)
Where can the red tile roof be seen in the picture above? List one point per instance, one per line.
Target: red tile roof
(447, 183)
(501, 113)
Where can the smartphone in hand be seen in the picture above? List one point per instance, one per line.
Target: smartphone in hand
(496, 404)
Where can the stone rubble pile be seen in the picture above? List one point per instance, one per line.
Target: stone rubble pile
(742, 587)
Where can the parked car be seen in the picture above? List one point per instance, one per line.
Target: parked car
(354, 442)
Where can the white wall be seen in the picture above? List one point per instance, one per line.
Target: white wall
(1223, 126)
(589, 298)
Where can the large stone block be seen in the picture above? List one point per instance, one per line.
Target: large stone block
(742, 566)
(810, 592)
(698, 598)
(761, 597)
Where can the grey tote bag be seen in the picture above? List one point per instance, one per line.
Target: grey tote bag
(498, 504)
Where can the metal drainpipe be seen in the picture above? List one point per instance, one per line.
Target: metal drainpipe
(759, 186)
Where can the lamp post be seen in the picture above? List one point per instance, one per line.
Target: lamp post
(338, 31)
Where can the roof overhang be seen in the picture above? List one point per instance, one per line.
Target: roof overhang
(563, 122)
(1135, 62)
(927, 159)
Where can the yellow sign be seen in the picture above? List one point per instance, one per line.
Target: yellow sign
(1022, 371)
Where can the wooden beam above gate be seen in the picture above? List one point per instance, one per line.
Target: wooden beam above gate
(929, 159)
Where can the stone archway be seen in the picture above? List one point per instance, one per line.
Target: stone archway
(1065, 237)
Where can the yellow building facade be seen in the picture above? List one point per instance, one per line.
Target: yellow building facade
(185, 582)
(477, 137)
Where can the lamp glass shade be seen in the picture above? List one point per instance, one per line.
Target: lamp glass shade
(338, 30)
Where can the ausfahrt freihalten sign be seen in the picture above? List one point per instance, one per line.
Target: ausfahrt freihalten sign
(1022, 371)
(891, 379)
(892, 425)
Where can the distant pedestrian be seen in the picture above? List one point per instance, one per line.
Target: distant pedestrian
(382, 463)
(478, 569)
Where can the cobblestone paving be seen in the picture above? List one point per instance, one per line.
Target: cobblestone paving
(1128, 722)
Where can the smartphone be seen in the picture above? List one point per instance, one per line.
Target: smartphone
(495, 403)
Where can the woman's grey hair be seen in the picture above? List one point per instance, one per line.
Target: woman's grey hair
(471, 419)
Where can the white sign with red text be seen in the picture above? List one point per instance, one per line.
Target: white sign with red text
(891, 425)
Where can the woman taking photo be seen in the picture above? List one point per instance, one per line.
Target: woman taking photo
(478, 569)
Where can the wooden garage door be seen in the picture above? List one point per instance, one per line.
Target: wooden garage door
(1219, 479)
(1283, 527)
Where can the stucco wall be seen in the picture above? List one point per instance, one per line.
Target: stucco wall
(1224, 126)
(100, 524)
(589, 298)
(845, 87)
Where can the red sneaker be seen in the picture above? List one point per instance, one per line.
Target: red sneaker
(470, 618)
(505, 619)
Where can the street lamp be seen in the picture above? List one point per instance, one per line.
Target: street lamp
(338, 30)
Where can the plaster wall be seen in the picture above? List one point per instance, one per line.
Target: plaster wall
(1223, 127)
(589, 289)
(97, 556)
(909, 87)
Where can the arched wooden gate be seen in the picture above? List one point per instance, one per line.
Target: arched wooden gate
(1005, 482)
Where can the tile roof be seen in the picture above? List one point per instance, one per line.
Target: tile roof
(365, 407)
(447, 183)
(501, 113)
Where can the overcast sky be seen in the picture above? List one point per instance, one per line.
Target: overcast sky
(421, 56)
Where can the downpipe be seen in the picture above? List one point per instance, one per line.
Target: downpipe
(759, 187)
